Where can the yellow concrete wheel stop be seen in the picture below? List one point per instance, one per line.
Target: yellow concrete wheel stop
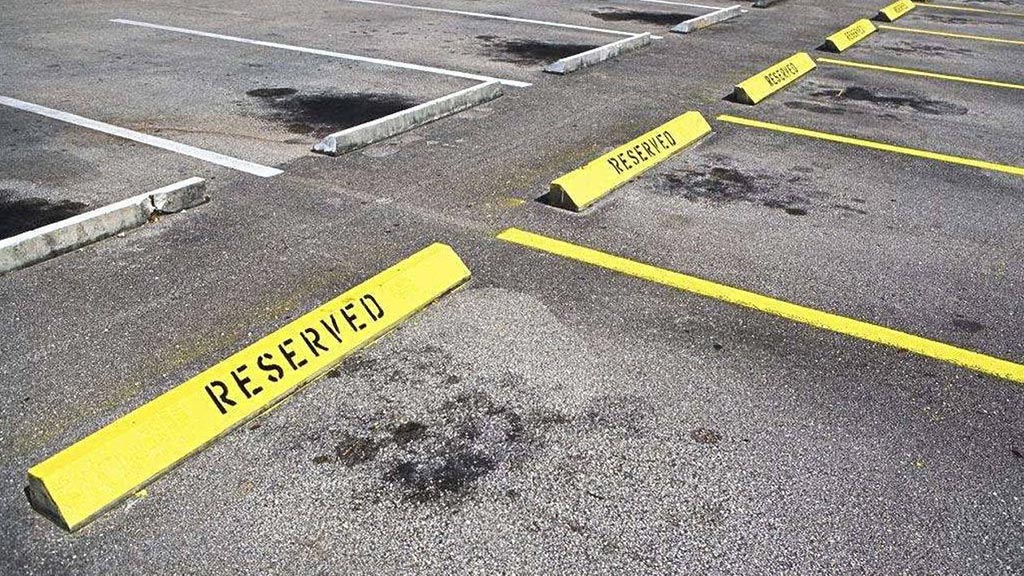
(850, 35)
(895, 11)
(582, 187)
(771, 80)
(80, 482)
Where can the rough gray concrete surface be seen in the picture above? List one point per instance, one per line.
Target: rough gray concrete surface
(548, 417)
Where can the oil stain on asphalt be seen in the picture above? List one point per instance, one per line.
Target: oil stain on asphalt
(815, 107)
(472, 437)
(705, 436)
(322, 113)
(919, 104)
(905, 47)
(720, 185)
(975, 20)
(656, 18)
(967, 325)
(529, 52)
(473, 433)
(18, 215)
(467, 439)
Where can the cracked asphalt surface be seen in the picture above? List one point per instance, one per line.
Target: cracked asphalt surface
(548, 416)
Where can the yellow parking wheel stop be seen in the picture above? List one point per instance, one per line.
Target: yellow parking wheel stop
(95, 473)
(584, 186)
(771, 80)
(895, 11)
(850, 35)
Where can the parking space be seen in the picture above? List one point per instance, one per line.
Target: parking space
(789, 343)
(947, 55)
(512, 48)
(828, 152)
(805, 209)
(195, 98)
(256, 103)
(1001, 23)
(946, 117)
(954, 96)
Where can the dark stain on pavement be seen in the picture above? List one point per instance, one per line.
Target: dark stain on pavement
(529, 52)
(322, 113)
(656, 18)
(407, 432)
(473, 438)
(451, 473)
(906, 47)
(959, 20)
(969, 326)
(814, 107)
(721, 185)
(271, 92)
(354, 450)
(860, 94)
(19, 215)
(356, 365)
(705, 436)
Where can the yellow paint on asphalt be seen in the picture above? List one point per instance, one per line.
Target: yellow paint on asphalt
(591, 182)
(966, 9)
(896, 10)
(771, 80)
(951, 35)
(948, 158)
(802, 314)
(923, 73)
(97, 472)
(850, 35)
(509, 202)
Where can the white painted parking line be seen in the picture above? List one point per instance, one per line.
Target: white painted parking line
(499, 17)
(329, 54)
(157, 142)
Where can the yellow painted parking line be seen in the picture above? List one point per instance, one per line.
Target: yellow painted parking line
(802, 314)
(972, 162)
(951, 35)
(966, 9)
(923, 73)
(95, 473)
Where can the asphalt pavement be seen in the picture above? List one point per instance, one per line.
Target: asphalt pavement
(550, 415)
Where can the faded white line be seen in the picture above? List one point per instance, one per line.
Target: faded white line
(318, 52)
(498, 17)
(157, 142)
